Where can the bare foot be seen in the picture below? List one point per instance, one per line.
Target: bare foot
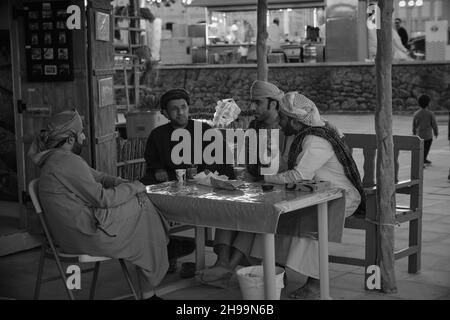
(309, 291)
(217, 272)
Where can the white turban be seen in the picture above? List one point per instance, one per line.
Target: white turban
(299, 107)
(61, 126)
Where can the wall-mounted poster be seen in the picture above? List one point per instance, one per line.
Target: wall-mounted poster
(105, 92)
(48, 42)
(102, 26)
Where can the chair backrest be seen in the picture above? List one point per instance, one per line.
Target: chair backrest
(34, 195)
(368, 144)
(33, 190)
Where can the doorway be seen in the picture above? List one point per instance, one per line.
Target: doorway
(13, 233)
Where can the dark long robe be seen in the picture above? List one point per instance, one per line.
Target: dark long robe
(91, 213)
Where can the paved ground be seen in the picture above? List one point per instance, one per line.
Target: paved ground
(18, 271)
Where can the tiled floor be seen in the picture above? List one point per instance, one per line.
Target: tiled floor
(18, 271)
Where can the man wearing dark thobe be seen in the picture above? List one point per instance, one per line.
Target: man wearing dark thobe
(160, 166)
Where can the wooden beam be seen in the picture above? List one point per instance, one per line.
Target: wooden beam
(385, 203)
(261, 51)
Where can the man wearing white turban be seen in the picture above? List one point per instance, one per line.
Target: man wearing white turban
(314, 150)
(93, 213)
(233, 247)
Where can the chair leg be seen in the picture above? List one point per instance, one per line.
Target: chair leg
(415, 235)
(63, 277)
(138, 275)
(37, 288)
(370, 250)
(94, 280)
(127, 277)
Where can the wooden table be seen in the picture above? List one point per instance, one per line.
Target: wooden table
(246, 209)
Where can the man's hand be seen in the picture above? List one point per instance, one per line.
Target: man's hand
(141, 187)
(161, 175)
(436, 136)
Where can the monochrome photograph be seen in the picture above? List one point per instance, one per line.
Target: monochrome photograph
(48, 53)
(62, 38)
(63, 53)
(34, 38)
(47, 38)
(235, 158)
(50, 69)
(36, 54)
(47, 25)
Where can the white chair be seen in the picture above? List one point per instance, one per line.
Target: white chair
(49, 250)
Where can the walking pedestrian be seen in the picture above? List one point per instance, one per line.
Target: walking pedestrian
(424, 125)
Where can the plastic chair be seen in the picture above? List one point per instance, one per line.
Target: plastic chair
(49, 250)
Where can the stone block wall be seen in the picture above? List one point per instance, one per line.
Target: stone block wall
(334, 88)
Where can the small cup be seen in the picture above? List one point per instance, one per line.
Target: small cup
(181, 175)
(239, 173)
(191, 172)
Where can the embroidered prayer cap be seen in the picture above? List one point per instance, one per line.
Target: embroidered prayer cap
(262, 89)
(297, 106)
(61, 126)
(174, 94)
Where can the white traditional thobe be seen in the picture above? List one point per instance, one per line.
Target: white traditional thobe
(316, 161)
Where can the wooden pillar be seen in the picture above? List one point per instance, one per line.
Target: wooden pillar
(261, 51)
(385, 154)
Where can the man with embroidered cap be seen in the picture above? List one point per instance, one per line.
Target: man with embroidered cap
(314, 150)
(160, 166)
(158, 152)
(233, 247)
(92, 213)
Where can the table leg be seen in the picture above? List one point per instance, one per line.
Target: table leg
(269, 267)
(200, 248)
(323, 251)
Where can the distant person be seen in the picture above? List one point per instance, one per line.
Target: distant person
(401, 32)
(424, 125)
(249, 33)
(399, 51)
(274, 35)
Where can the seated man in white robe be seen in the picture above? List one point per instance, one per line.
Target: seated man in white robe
(314, 150)
(92, 213)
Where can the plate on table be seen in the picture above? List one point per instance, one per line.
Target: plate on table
(226, 184)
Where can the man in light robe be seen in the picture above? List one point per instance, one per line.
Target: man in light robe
(92, 213)
(274, 35)
(314, 150)
(233, 247)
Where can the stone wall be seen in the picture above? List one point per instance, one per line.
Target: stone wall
(333, 87)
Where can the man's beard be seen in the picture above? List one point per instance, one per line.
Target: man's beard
(77, 148)
(288, 130)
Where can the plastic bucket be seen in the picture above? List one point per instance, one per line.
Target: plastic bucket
(251, 282)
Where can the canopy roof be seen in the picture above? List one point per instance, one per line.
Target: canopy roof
(242, 5)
